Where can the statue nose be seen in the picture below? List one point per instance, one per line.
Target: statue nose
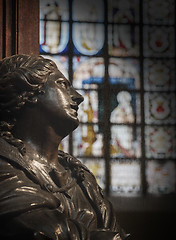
(77, 97)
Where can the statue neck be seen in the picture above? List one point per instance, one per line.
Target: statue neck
(40, 139)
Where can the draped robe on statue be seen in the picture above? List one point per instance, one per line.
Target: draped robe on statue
(37, 199)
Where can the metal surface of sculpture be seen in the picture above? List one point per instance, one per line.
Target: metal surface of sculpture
(45, 193)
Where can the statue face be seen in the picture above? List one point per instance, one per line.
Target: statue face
(60, 103)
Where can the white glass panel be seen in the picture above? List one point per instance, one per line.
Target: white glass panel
(125, 176)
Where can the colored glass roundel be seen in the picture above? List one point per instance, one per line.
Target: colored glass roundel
(159, 41)
(90, 10)
(159, 75)
(160, 108)
(88, 38)
(121, 11)
(125, 176)
(161, 177)
(158, 12)
(160, 142)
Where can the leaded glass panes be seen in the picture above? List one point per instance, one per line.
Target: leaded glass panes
(124, 73)
(159, 75)
(88, 72)
(97, 167)
(121, 11)
(161, 177)
(159, 41)
(159, 12)
(90, 10)
(160, 108)
(125, 141)
(125, 176)
(88, 141)
(125, 107)
(120, 55)
(123, 40)
(88, 38)
(160, 142)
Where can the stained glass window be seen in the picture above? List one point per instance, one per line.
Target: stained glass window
(120, 55)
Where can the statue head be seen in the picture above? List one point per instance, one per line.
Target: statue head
(23, 80)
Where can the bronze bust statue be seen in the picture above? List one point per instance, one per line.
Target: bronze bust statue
(45, 193)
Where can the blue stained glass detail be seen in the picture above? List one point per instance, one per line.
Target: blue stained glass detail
(93, 80)
(130, 82)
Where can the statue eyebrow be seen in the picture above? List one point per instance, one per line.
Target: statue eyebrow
(63, 79)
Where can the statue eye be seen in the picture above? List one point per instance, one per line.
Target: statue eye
(62, 82)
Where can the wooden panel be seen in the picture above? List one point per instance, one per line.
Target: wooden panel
(8, 29)
(28, 27)
(1, 29)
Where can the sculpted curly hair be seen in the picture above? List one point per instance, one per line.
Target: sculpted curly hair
(21, 80)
